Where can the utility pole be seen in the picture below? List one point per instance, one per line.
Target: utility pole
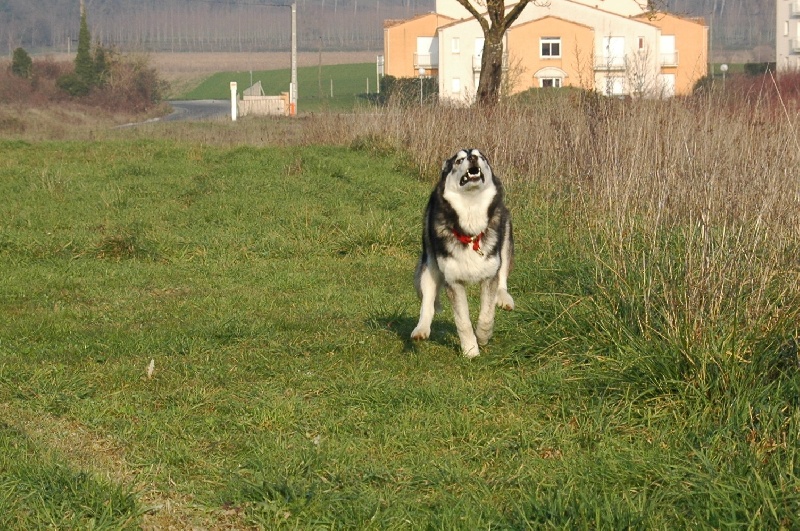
(293, 88)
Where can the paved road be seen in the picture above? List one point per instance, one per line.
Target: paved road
(194, 110)
(198, 110)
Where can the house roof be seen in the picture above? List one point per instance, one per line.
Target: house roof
(546, 17)
(388, 23)
(701, 21)
(637, 18)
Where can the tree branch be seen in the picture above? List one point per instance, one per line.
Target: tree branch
(475, 14)
(515, 12)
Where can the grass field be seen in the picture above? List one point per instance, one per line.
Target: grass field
(271, 288)
(205, 325)
(327, 87)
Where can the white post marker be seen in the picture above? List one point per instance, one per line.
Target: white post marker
(421, 74)
(233, 100)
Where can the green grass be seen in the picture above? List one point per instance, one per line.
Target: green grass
(314, 85)
(272, 287)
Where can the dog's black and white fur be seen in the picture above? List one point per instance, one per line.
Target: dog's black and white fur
(466, 239)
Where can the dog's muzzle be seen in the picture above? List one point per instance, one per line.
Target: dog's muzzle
(473, 175)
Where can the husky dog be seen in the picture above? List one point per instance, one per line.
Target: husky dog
(466, 239)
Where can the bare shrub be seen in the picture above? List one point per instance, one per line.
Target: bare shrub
(37, 89)
(130, 85)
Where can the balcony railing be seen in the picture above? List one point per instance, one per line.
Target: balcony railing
(610, 63)
(426, 61)
(669, 59)
(794, 45)
(476, 62)
(794, 8)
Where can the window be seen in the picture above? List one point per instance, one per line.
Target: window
(550, 47)
(455, 46)
(613, 57)
(550, 82)
(615, 86)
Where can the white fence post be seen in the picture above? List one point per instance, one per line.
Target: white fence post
(233, 100)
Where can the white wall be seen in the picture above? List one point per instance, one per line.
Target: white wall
(786, 31)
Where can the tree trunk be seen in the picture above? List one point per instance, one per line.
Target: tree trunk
(494, 26)
(491, 67)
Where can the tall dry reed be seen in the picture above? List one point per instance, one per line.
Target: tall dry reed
(692, 205)
(689, 208)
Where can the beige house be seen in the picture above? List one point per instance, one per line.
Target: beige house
(683, 49)
(409, 45)
(607, 45)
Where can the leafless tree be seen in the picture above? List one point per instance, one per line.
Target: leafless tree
(640, 76)
(494, 23)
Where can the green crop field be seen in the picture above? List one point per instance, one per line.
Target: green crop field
(332, 87)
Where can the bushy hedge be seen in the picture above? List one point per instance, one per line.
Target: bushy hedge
(406, 91)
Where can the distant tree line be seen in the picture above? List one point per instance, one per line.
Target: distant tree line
(734, 24)
(203, 25)
(258, 25)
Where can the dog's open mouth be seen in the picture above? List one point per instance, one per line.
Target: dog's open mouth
(473, 175)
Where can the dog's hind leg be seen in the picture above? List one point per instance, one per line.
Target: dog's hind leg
(428, 287)
(485, 326)
(458, 300)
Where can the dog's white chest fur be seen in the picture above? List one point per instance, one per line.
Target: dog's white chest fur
(472, 208)
(465, 264)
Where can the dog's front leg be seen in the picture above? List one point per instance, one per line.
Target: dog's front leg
(458, 300)
(428, 289)
(485, 325)
(504, 300)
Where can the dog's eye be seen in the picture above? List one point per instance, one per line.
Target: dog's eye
(460, 160)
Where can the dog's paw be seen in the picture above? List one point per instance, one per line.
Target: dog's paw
(504, 300)
(469, 347)
(483, 338)
(420, 333)
(470, 351)
(483, 332)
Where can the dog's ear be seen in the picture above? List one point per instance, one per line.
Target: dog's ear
(447, 166)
